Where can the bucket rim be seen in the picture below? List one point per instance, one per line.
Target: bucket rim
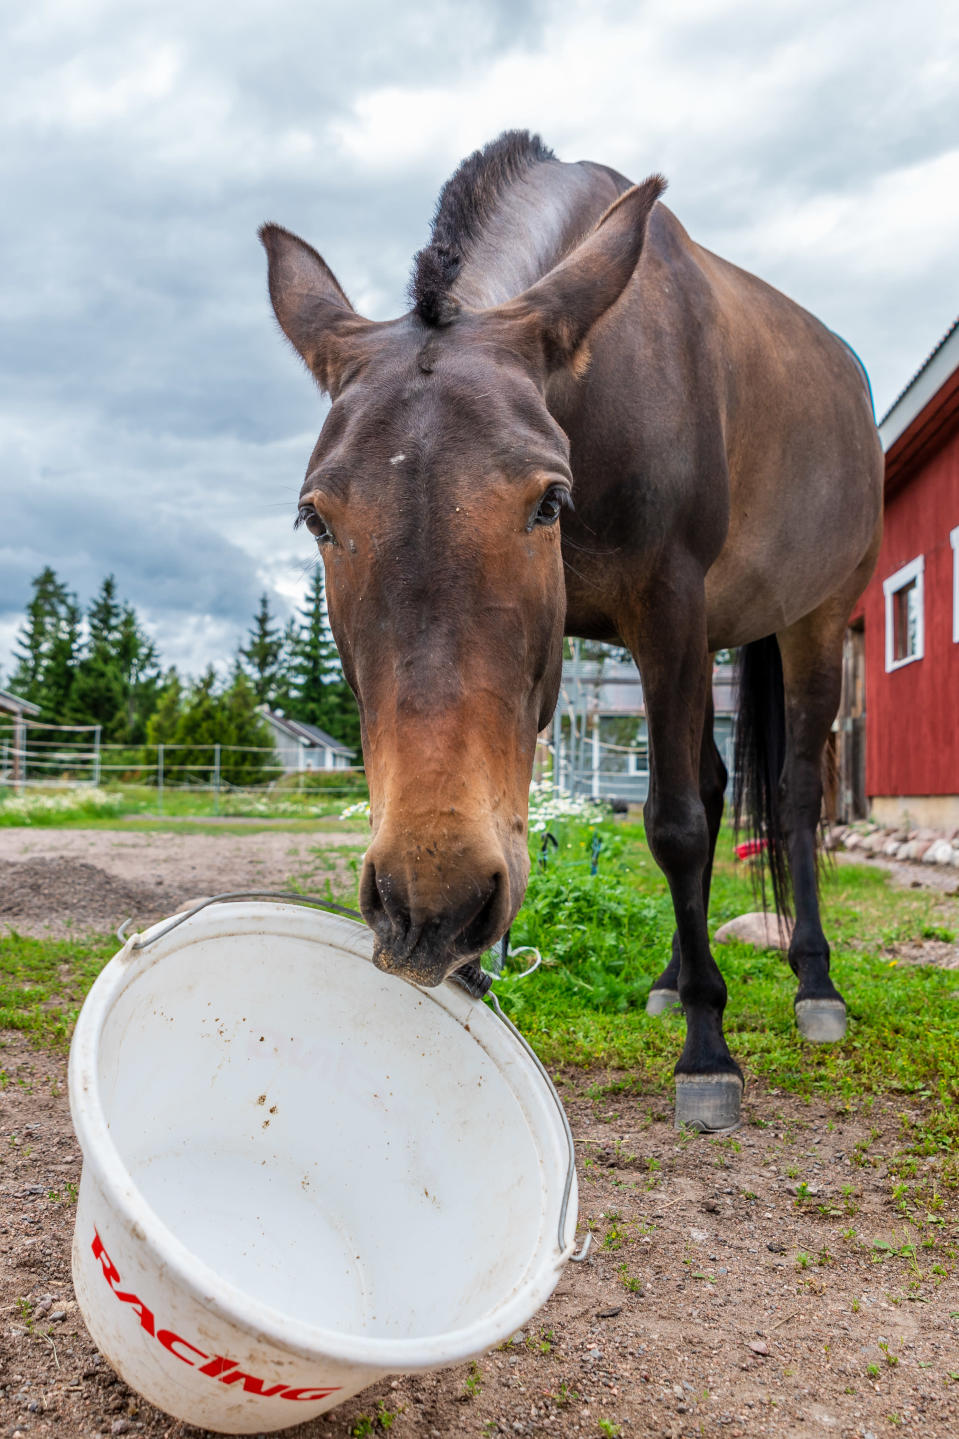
(206, 1287)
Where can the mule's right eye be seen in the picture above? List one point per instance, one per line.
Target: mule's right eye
(316, 525)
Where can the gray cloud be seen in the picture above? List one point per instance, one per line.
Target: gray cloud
(152, 421)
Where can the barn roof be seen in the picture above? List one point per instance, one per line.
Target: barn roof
(925, 412)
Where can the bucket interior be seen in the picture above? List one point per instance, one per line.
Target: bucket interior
(324, 1137)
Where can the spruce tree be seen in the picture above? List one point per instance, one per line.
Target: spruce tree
(286, 679)
(161, 725)
(47, 647)
(241, 726)
(208, 715)
(262, 655)
(140, 665)
(117, 676)
(319, 693)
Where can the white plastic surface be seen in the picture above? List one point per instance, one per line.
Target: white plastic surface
(300, 1173)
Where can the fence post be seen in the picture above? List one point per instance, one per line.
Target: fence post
(159, 779)
(595, 785)
(96, 755)
(19, 751)
(216, 779)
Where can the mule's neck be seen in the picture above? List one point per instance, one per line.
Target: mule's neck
(538, 220)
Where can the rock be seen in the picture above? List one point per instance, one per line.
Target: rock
(120, 1426)
(939, 852)
(758, 928)
(955, 858)
(852, 840)
(759, 1346)
(892, 847)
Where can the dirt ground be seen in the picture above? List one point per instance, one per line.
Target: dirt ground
(55, 882)
(744, 1286)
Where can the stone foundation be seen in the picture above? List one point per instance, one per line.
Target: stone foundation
(922, 845)
(939, 812)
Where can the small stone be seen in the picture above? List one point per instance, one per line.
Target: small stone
(120, 1426)
(711, 1206)
(759, 1346)
(58, 1316)
(757, 928)
(519, 1337)
(609, 1313)
(811, 1188)
(775, 1248)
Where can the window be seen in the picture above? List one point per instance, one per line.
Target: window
(954, 541)
(905, 636)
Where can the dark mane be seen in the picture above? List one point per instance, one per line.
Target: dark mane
(466, 201)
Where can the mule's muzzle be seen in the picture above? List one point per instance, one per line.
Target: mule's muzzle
(425, 942)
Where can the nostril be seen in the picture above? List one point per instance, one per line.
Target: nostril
(371, 902)
(383, 909)
(487, 924)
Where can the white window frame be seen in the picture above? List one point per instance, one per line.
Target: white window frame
(915, 570)
(954, 541)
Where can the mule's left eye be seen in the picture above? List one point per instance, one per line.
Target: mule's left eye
(317, 526)
(547, 512)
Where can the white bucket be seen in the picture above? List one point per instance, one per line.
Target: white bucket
(301, 1174)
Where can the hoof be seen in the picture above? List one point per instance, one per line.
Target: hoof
(663, 1001)
(708, 1103)
(821, 1020)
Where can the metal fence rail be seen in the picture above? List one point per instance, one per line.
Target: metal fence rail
(28, 759)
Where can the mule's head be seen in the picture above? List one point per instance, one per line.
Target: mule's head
(434, 493)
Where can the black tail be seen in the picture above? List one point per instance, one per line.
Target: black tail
(760, 754)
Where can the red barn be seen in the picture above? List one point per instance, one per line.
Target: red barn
(903, 646)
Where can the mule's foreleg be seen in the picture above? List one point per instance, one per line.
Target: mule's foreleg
(664, 995)
(812, 676)
(674, 664)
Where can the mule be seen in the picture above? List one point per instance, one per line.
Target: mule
(586, 424)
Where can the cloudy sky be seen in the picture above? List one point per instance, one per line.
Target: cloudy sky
(152, 422)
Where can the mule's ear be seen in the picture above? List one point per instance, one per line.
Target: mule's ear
(313, 311)
(566, 303)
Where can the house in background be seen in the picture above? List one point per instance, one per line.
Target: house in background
(301, 746)
(598, 734)
(902, 651)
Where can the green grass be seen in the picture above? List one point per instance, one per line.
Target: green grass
(605, 938)
(108, 806)
(43, 982)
